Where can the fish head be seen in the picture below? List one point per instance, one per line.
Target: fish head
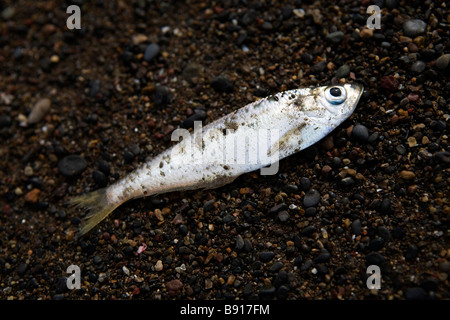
(339, 101)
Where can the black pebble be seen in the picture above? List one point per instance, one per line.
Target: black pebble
(375, 258)
(360, 132)
(356, 227)
(290, 188)
(183, 229)
(162, 96)
(411, 252)
(99, 178)
(376, 244)
(276, 266)
(71, 166)
(151, 51)
(311, 199)
(266, 256)
(305, 183)
(199, 115)
(324, 256)
(309, 230)
(103, 166)
(415, 293)
(222, 84)
(347, 182)
(128, 156)
(5, 121)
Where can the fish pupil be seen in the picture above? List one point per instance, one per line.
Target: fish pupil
(335, 92)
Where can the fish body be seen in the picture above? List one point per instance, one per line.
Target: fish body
(250, 138)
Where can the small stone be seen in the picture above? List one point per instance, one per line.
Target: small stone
(389, 83)
(356, 227)
(309, 230)
(8, 13)
(72, 165)
(222, 84)
(414, 27)
(343, 71)
(39, 110)
(412, 142)
(276, 267)
(159, 266)
(375, 258)
(97, 260)
(411, 252)
(443, 61)
(283, 216)
(305, 183)
(99, 178)
(311, 199)
(319, 66)
(360, 132)
(443, 156)
(266, 256)
(366, 33)
(174, 286)
(162, 96)
(335, 37)
(418, 67)
(407, 175)
(347, 182)
(151, 51)
(5, 121)
(28, 171)
(324, 256)
(401, 149)
(22, 268)
(239, 242)
(290, 188)
(415, 293)
(32, 196)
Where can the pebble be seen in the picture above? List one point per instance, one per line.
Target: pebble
(415, 293)
(407, 175)
(159, 266)
(305, 183)
(375, 258)
(311, 199)
(39, 111)
(443, 61)
(347, 182)
(222, 84)
(290, 188)
(356, 227)
(335, 37)
(360, 132)
(174, 286)
(239, 242)
(99, 178)
(151, 51)
(283, 216)
(162, 96)
(324, 256)
(319, 66)
(443, 156)
(32, 196)
(5, 121)
(199, 115)
(72, 165)
(277, 266)
(414, 27)
(343, 71)
(8, 13)
(266, 256)
(418, 67)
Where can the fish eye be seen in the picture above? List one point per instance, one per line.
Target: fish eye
(335, 95)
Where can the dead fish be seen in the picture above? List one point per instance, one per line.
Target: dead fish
(248, 139)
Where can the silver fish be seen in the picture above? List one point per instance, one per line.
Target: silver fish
(248, 139)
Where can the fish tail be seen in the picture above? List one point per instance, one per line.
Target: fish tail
(98, 205)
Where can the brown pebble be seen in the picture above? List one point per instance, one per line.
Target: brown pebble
(174, 286)
(32, 196)
(407, 175)
(39, 110)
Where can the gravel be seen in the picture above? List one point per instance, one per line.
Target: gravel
(137, 70)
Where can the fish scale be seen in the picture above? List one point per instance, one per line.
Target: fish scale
(250, 138)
